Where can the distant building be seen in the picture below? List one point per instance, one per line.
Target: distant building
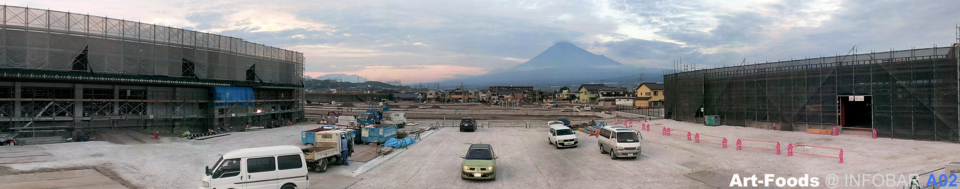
(431, 95)
(617, 101)
(588, 92)
(406, 97)
(495, 89)
(653, 92)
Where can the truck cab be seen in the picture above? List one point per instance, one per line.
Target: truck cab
(395, 118)
(366, 118)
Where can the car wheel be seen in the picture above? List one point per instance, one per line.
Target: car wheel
(613, 155)
(549, 141)
(322, 166)
(558, 145)
(601, 150)
(289, 186)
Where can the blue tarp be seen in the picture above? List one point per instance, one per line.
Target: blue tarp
(394, 143)
(232, 94)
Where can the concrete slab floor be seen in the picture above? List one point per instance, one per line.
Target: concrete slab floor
(526, 160)
(85, 178)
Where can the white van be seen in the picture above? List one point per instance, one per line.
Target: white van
(254, 168)
(619, 142)
(562, 136)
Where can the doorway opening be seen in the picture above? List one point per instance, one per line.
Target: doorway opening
(855, 111)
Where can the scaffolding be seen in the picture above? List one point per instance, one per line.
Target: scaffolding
(67, 71)
(35, 39)
(910, 94)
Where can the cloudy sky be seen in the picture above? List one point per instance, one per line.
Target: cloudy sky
(431, 40)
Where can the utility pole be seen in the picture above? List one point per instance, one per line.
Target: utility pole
(463, 95)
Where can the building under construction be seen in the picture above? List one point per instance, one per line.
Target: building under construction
(910, 94)
(70, 72)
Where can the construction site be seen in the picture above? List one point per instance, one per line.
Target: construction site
(906, 94)
(64, 74)
(96, 102)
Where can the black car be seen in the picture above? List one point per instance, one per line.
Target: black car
(566, 122)
(468, 123)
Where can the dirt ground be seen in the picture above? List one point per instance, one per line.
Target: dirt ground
(529, 162)
(102, 169)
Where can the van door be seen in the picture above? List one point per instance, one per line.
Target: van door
(292, 169)
(261, 173)
(227, 175)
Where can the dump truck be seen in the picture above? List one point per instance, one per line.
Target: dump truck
(325, 150)
(309, 137)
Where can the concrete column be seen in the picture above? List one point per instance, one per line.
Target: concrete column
(77, 105)
(116, 96)
(149, 106)
(17, 108)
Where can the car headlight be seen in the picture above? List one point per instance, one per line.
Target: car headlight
(619, 148)
(465, 168)
(490, 168)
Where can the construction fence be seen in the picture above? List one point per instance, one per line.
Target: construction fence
(656, 111)
(909, 94)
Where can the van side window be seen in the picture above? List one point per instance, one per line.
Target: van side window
(289, 162)
(256, 165)
(229, 168)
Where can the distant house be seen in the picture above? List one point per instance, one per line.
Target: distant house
(589, 92)
(495, 89)
(483, 95)
(611, 92)
(566, 94)
(431, 95)
(462, 95)
(617, 101)
(653, 92)
(442, 96)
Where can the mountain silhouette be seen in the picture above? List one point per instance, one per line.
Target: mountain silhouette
(565, 54)
(561, 64)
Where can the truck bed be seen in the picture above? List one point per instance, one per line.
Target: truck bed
(314, 153)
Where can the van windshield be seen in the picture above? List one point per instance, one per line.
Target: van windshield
(627, 137)
(564, 132)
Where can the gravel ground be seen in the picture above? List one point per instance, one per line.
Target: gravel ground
(174, 163)
(526, 160)
(862, 154)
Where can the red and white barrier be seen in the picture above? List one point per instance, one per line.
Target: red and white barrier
(811, 153)
(774, 145)
(722, 143)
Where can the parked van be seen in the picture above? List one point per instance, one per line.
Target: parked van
(562, 136)
(619, 142)
(265, 167)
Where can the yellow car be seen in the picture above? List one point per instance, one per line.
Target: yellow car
(479, 164)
